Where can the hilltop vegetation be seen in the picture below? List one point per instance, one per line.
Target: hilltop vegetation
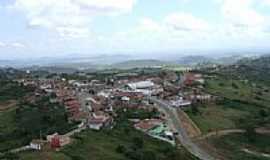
(140, 64)
(24, 121)
(255, 70)
(243, 102)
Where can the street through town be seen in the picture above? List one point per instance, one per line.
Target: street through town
(182, 134)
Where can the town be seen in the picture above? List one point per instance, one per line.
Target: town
(141, 113)
(94, 103)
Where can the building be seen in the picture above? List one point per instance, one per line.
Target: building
(145, 87)
(180, 102)
(141, 85)
(99, 120)
(36, 144)
(191, 78)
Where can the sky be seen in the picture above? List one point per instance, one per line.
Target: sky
(52, 28)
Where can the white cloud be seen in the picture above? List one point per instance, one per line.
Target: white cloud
(266, 2)
(17, 45)
(241, 13)
(12, 45)
(186, 22)
(2, 44)
(147, 24)
(71, 18)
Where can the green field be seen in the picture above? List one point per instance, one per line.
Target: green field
(215, 117)
(231, 146)
(241, 104)
(239, 90)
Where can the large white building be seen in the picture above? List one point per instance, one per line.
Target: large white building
(141, 85)
(145, 87)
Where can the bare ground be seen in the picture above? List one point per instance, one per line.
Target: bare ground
(7, 105)
(190, 126)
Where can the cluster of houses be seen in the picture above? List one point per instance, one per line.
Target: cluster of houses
(94, 102)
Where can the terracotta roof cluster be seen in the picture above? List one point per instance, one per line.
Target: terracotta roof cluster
(72, 105)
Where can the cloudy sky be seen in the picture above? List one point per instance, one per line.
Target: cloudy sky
(36, 28)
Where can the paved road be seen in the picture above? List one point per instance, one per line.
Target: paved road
(182, 134)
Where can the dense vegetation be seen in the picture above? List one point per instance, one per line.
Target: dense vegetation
(19, 126)
(122, 142)
(12, 90)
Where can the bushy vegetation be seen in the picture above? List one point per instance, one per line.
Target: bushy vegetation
(28, 121)
(123, 142)
(12, 90)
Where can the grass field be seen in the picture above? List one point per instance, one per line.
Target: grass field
(231, 146)
(242, 102)
(214, 117)
(239, 90)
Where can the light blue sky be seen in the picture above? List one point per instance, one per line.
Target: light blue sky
(38, 28)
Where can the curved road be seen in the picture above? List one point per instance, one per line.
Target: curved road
(182, 134)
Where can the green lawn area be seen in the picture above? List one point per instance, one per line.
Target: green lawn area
(233, 89)
(238, 107)
(122, 142)
(215, 117)
(231, 146)
(239, 90)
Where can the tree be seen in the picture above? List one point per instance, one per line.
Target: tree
(138, 142)
(263, 113)
(250, 134)
(149, 155)
(235, 86)
(194, 109)
(120, 149)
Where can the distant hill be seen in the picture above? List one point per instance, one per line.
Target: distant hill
(253, 69)
(140, 64)
(51, 69)
(196, 60)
